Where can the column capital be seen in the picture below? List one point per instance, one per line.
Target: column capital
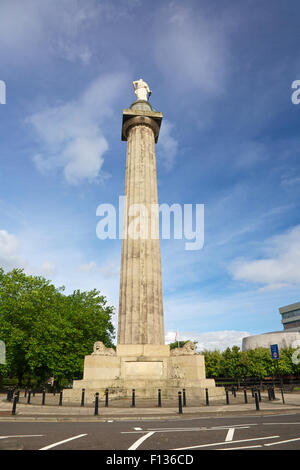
(134, 117)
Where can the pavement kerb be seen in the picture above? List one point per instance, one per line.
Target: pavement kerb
(35, 412)
(145, 414)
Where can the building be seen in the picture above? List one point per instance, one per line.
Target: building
(291, 317)
(290, 336)
(284, 339)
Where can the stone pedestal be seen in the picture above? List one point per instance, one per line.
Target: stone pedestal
(145, 368)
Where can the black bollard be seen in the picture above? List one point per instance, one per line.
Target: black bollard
(245, 395)
(18, 395)
(13, 411)
(179, 403)
(159, 398)
(43, 397)
(106, 398)
(25, 393)
(9, 396)
(29, 397)
(60, 398)
(133, 399)
(183, 397)
(282, 395)
(206, 396)
(256, 401)
(259, 394)
(82, 397)
(96, 404)
(227, 397)
(252, 391)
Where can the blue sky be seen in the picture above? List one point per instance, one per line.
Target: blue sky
(221, 74)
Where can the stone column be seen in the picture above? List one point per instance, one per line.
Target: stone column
(141, 305)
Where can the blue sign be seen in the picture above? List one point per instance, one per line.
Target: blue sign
(274, 351)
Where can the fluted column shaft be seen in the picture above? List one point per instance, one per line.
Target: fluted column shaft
(141, 306)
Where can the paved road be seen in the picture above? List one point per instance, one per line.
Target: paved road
(264, 432)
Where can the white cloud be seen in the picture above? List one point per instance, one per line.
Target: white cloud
(192, 50)
(32, 30)
(47, 269)
(88, 267)
(167, 145)
(107, 269)
(71, 133)
(280, 266)
(210, 340)
(12, 255)
(10, 251)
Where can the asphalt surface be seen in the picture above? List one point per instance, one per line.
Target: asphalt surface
(121, 430)
(182, 437)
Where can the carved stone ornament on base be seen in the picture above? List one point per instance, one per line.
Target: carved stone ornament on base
(101, 350)
(189, 348)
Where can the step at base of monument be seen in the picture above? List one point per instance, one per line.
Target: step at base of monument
(144, 390)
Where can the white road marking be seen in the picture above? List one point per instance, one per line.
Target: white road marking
(181, 429)
(168, 430)
(214, 428)
(282, 442)
(62, 442)
(270, 424)
(238, 448)
(229, 442)
(22, 435)
(137, 429)
(137, 443)
(234, 425)
(230, 434)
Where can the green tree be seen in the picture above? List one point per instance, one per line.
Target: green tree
(46, 332)
(177, 344)
(258, 363)
(212, 363)
(230, 365)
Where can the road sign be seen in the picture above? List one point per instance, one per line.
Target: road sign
(274, 351)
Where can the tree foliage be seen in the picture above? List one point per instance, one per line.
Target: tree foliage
(257, 363)
(177, 344)
(47, 333)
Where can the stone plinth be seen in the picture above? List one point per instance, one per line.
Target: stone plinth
(146, 368)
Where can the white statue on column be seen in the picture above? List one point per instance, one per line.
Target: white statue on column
(141, 89)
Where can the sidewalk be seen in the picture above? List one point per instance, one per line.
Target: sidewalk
(122, 410)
